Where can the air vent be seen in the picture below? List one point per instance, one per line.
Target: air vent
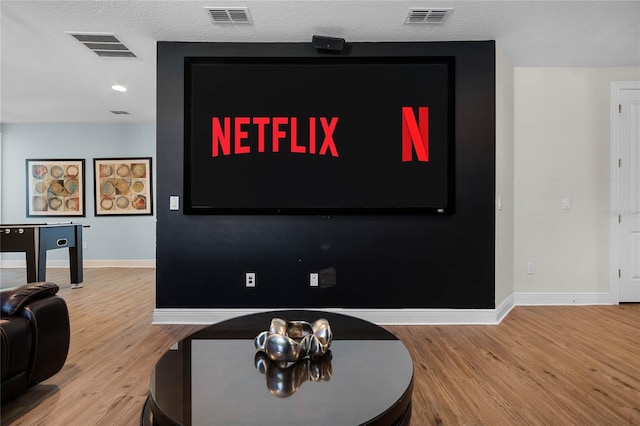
(427, 16)
(120, 112)
(229, 15)
(103, 44)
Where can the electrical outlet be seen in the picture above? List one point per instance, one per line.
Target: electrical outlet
(84, 244)
(313, 279)
(250, 279)
(531, 268)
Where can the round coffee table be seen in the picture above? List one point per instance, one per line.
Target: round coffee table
(216, 377)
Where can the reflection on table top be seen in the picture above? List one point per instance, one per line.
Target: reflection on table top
(212, 377)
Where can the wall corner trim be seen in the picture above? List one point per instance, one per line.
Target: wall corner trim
(504, 308)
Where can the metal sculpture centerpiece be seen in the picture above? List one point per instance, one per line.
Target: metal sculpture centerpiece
(293, 352)
(292, 341)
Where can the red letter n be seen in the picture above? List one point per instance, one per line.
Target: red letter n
(220, 136)
(415, 134)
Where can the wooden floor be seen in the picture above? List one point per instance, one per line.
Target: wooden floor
(576, 365)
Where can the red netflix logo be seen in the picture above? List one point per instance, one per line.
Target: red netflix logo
(277, 130)
(415, 134)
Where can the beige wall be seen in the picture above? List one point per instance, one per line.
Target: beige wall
(504, 176)
(562, 140)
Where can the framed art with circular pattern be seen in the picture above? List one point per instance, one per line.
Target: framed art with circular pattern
(123, 186)
(55, 187)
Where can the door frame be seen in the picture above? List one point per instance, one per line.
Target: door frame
(616, 87)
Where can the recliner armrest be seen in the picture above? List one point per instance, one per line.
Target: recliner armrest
(14, 300)
(49, 319)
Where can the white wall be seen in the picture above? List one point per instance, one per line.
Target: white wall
(109, 237)
(504, 176)
(562, 150)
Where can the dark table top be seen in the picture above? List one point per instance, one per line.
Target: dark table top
(211, 378)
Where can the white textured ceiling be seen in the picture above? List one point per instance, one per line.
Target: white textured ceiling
(47, 76)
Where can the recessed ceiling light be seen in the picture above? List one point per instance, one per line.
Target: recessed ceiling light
(119, 88)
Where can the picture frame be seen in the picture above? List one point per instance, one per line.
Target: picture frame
(123, 186)
(55, 187)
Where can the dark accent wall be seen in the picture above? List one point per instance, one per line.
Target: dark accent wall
(381, 261)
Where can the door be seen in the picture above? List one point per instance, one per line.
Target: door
(628, 208)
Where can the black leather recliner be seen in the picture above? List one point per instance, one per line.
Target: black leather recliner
(35, 336)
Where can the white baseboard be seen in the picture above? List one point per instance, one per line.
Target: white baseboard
(402, 316)
(124, 263)
(376, 316)
(562, 299)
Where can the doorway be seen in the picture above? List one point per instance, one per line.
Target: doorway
(625, 192)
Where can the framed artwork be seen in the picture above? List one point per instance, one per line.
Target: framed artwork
(123, 186)
(55, 187)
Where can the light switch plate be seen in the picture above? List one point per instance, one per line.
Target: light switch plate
(174, 202)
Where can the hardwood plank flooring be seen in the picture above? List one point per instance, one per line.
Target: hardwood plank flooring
(540, 366)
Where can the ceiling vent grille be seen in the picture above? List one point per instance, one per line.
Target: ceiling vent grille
(427, 16)
(103, 44)
(229, 15)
